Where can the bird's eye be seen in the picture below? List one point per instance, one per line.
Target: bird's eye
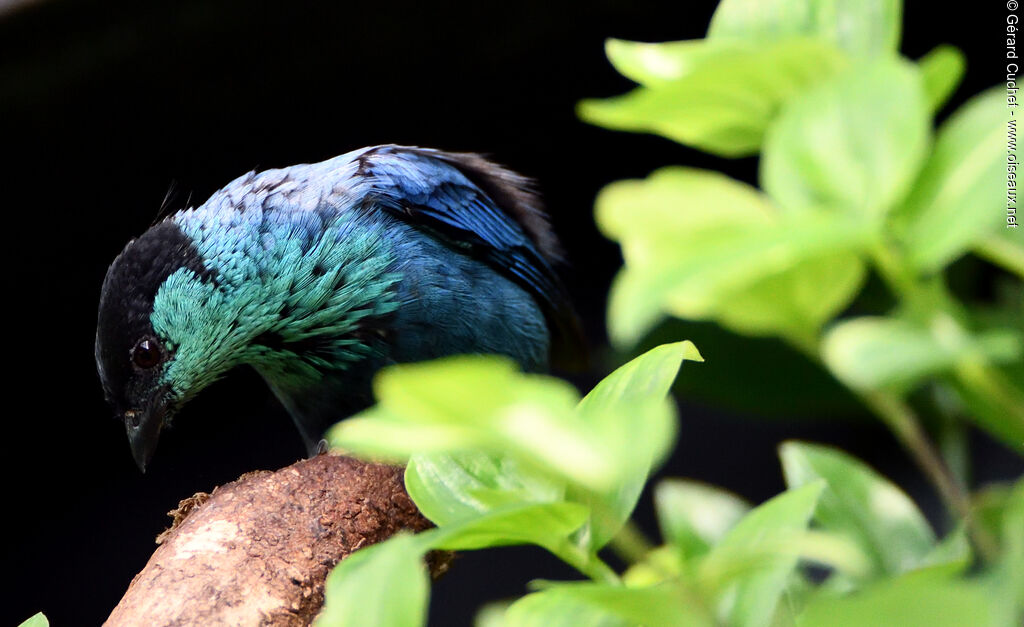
(147, 353)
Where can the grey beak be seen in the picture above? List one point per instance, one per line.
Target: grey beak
(143, 427)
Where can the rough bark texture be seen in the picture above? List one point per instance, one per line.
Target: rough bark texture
(256, 551)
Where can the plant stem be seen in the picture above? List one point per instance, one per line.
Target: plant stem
(904, 424)
(900, 419)
(952, 436)
(590, 565)
(630, 543)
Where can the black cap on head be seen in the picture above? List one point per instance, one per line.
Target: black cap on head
(123, 322)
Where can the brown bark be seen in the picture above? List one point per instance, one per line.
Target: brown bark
(256, 551)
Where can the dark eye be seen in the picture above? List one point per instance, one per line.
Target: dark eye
(147, 353)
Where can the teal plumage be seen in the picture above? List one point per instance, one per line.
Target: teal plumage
(319, 275)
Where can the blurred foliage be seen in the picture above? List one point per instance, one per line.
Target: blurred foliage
(497, 457)
(854, 179)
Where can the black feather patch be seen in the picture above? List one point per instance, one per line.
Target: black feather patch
(126, 300)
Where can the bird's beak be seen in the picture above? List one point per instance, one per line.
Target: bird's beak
(143, 426)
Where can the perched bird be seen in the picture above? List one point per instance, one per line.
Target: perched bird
(319, 275)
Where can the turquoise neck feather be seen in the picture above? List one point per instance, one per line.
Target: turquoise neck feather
(280, 288)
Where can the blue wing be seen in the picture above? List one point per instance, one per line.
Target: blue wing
(483, 210)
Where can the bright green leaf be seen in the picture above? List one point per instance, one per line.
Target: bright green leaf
(658, 63)
(573, 604)
(718, 98)
(482, 403)
(860, 27)
(545, 524)
(694, 516)
(797, 301)
(452, 487)
(648, 377)
(861, 504)
(749, 569)
(382, 434)
(890, 353)
(952, 555)
(956, 199)
(994, 397)
(702, 246)
(629, 410)
(942, 69)
(913, 600)
(384, 584)
(1007, 579)
(36, 620)
(854, 143)
(492, 615)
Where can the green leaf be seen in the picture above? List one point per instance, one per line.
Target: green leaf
(955, 200)
(994, 397)
(481, 403)
(942, 70)
(862, 505)
(702, 246)
(718, 98)
(545, 524)
(492, 614)
(36, 620)
(573, 604)
(1006, 580)
(913, 600)
(497, 438)
(749, 569)
(384, 585)
(452, 487)
(854, 143)
(629, 408)
(860, 27)
(648, 377)
(658, 63)
(952, 555)
(870, 352)
(694, 516)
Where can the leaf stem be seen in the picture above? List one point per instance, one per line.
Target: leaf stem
(587, 563)
(904, 424)
(630, 543)
(902, 421)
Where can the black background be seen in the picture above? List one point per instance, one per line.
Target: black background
(104, 105)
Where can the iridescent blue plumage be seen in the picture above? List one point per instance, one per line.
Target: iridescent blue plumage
(318, 275)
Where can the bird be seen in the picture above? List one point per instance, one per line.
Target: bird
(319, 275)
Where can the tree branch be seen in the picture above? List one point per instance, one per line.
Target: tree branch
(256, 551)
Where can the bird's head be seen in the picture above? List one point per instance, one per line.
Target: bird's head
(162, 334)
